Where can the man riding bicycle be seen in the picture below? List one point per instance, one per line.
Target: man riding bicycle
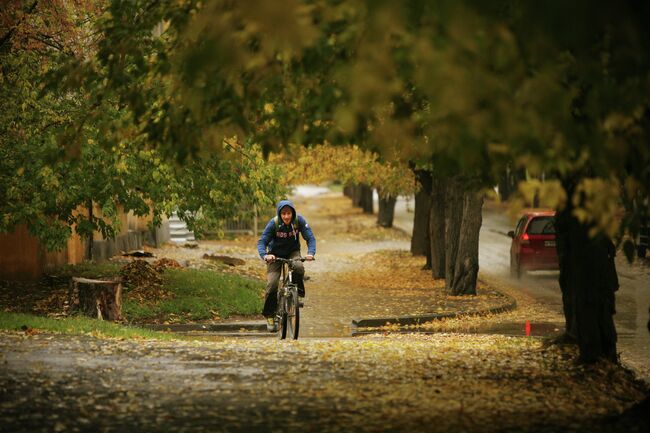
(280, 239)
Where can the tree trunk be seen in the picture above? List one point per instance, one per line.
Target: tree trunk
(508, 182)
(453, 222)
(101, 299)
(563, 226)
(420, 244)
(437, 227)
(348, 191)
(466, 269)
(366, 199)
(588, 281)
(89, 252)
(462, 226)
(386, 211)
(356, 195)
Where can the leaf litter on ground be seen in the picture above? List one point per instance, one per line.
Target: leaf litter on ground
(442, 382)
(402, 287)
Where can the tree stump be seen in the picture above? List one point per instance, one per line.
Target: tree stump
(101, 299)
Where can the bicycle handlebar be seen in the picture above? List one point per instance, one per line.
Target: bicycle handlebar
(281, 260)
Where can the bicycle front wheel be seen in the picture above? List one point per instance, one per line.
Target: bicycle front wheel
(293, 315)
(282, 325)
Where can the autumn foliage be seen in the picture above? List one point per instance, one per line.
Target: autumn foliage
(348, 165)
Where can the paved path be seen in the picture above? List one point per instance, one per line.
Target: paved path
(330, 305)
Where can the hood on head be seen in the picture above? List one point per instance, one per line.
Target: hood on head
(284, 203)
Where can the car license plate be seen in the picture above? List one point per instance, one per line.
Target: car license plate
(549, 243)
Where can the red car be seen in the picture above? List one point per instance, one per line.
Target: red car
(533, 243)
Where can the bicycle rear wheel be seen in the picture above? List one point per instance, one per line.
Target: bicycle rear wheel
(293, 315)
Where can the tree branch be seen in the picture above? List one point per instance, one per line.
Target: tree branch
(7, 36)
(236, 149)
(50, 42)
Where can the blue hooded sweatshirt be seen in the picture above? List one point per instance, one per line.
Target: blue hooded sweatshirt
(285, 240)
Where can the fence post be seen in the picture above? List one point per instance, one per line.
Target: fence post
(255, 219)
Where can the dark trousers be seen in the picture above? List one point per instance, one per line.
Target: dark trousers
(273, 271)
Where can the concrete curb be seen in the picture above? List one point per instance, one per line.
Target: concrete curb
(379, 322)
(230, 327)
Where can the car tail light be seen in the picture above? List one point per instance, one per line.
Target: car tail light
(525, 240)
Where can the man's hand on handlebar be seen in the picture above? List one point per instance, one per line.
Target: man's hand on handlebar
(270, 258)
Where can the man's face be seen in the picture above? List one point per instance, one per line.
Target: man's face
(286, 214)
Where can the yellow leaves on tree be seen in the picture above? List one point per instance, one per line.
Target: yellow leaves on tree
(596, 201)
(348, 165)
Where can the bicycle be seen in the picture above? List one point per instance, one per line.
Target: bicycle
(288, 312)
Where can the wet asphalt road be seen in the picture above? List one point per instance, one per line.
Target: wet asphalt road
(632, 299)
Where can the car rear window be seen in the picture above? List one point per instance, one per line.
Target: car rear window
(542, 226)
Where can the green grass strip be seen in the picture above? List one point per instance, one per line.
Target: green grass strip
(78, 325)
(198, 294)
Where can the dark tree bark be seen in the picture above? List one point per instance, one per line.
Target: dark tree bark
(420, 244)
(588, 281)
(356, 195)
(101, 299)
(466, 268)
(463, 221)
(386, 211)
(366, 199)
(437, 227)
(508, 182)
(89, 251)
(453, 222)
(362, 197)
(564, 225)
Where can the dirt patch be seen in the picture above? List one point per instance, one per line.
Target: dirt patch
(226, 260)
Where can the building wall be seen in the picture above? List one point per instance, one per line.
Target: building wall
(134, 233)
(19, 255)
(76, 250)
(23, 258)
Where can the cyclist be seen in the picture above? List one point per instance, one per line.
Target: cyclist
(280, 239)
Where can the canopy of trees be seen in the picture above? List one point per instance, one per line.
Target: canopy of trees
(68, 141)
(475, 87)
(349, 165)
